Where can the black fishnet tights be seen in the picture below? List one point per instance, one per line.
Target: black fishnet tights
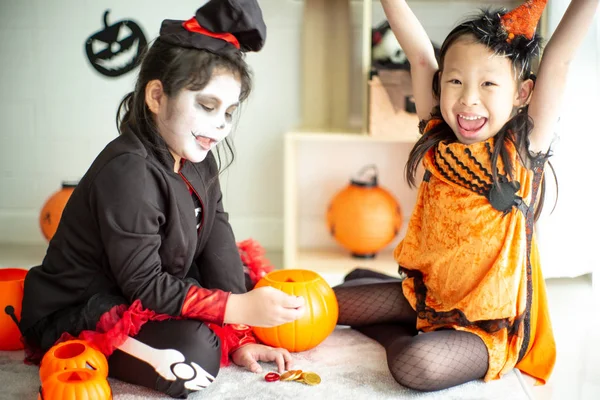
(374, 304)
(366, 301)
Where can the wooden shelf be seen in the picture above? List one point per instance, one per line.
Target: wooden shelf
(340, 262)
(332, 136)
(316, 166)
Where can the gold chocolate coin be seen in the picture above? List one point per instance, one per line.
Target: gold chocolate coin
(288, 376)
(297, 375)
(310, 378)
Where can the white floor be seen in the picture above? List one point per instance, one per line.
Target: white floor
(575, 318)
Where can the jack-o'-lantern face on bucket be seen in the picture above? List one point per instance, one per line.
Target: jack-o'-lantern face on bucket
(116, 49)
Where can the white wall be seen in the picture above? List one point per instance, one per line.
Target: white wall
(569, 236)
(57, 113)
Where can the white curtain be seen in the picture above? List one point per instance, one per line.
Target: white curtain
(569, 238)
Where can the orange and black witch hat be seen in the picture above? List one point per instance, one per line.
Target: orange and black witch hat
(512, 34)
(524, 19)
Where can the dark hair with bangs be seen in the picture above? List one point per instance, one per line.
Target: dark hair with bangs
(487, 30)
(178, 68)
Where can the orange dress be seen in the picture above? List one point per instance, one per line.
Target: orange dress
(471, 266)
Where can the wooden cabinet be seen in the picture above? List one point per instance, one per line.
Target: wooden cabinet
(318, 165)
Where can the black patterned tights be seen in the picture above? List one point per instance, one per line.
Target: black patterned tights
(374, 304)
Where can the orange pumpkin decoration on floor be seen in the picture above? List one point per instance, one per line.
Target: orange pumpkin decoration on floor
(319, 319)
(80, 384)
(363, 217)
(11, 296)
(72, 354)
(53, 209)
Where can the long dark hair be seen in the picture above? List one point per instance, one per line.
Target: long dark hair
(178, 68)
(486, 29)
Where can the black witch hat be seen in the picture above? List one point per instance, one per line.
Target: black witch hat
(217, 25)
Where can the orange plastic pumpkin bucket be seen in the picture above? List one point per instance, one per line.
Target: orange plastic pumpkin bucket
(364, 217)
(72, 354)
(320, 317)
(53, 208)
(74, 384)
(11, 296)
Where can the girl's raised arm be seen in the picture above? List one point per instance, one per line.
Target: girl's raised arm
(552, 76)
(418, 48)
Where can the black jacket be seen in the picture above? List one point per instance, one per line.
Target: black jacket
(129, 228)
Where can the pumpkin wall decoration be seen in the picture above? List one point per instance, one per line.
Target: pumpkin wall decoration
(319, 319)
(11, 296)
(72, 354)
(116, 49)
(80, 384)
(364, 217)
(53, 208)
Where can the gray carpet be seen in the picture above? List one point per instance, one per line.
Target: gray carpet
(351, 366)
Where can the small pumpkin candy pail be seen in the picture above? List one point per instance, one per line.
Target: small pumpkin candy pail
(364, 217)
(74, 369)
(80, 384)
(319, 319)
(72, 354)
(53, 208)
(11, 297)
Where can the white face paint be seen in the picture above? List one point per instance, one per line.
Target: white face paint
(193, 122)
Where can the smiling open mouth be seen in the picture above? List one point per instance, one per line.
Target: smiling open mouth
(470, 125)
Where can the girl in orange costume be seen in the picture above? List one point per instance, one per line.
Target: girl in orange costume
(473, 282)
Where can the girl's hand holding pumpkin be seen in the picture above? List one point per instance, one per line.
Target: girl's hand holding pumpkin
(248, 356)
(263, 307)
